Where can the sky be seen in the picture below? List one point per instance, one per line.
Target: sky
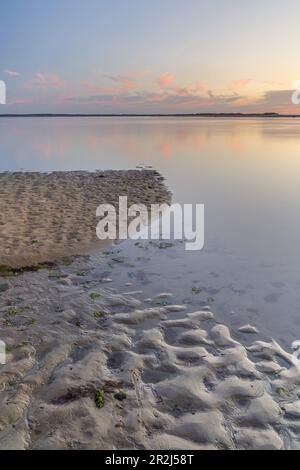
(149, 56)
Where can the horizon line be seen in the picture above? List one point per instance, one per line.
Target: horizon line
(229, 114)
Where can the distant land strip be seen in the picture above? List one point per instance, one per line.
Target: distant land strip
(207, 115)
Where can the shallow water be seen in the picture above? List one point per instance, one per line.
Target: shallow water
(246, 172)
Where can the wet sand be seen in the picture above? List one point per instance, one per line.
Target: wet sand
(96, 365)
(47, 216)
(170, 377)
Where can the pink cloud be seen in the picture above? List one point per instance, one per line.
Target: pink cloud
(126, 83)
(189, 90)
(238, 84)
(180, 91)
(155, 97)
(165, 80)
(127, 93)
(45, 82)
(199, 87)
(12, 73)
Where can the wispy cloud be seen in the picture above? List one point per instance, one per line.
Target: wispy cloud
(12, 73)
(126, 83)
(139, 73)
(236, 85)
(123, 84)
(45, 82)
(181, 101)
(172, 97)
(223, 98)
(133, 92)
(199, 87)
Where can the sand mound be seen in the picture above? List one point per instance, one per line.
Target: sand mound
(46, 216)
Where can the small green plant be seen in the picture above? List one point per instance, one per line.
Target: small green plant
(98, 314)
(94, 296)
(196, 290)
(78, 323)
(99, 398)
(34, 242)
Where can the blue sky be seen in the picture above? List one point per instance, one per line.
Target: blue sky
(149, 56)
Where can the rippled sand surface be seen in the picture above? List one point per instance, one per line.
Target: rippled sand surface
(170, 377)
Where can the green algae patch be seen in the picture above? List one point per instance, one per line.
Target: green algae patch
(98, 314)
(94, 296)
(7, 271)
(196, 290)
(99, 398)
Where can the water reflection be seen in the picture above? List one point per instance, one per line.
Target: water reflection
(246, 172)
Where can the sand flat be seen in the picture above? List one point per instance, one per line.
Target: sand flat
(93, 365)
(45, 216)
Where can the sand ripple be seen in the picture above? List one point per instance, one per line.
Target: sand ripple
(172, 378)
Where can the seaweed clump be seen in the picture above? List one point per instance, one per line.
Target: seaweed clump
(99, 398)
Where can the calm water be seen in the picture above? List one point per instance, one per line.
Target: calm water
(246, 172)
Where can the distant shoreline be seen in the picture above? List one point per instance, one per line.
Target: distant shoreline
(206, 115)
